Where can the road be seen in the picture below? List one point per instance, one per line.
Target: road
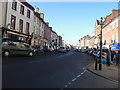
(52, 70)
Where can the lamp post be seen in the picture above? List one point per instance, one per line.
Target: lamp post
(100, 58)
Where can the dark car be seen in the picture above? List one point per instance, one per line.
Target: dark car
(16, 47)
(62, 49)
(38, 48)
(46, 49)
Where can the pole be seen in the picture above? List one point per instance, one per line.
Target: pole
(109, 58)
(95, 63)
(100, 58)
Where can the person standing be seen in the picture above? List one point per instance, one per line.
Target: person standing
(117, 58)
(112, 55)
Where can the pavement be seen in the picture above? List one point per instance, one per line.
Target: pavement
(107, 72)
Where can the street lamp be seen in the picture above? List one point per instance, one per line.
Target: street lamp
(100, 58)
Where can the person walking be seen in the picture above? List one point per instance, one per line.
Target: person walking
(112, 55)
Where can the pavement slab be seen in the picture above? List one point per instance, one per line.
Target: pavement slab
(108, 72)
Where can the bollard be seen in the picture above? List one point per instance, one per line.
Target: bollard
(100, 65)
(96, 64)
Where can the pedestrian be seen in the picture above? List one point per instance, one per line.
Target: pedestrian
(117, 58)
(112, 55)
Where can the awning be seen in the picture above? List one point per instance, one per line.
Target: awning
(116, 47)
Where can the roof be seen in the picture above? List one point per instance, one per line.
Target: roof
(27, 4)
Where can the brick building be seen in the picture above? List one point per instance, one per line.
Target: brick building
(110, 28)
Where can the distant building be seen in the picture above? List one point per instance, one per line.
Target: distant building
(54, 39)
(38, 32)
(84, 41)
(47, 34)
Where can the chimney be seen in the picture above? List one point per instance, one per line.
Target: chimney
(115, 12)
(37, 10)
(47, 23)
(50, 28)
(42, 15)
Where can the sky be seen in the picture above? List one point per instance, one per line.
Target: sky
(73, 20)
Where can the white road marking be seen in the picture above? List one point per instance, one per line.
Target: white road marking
(78, 75)
(84, 70)
(82, 73)
(66, 85)
(76, 78)
(73, 79)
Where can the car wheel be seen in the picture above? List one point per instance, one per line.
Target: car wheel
(31, 54)
(6, 53)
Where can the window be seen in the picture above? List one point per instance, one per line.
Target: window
(14, 5)
(22, 10)
(21, 25)
(108, 28)
(34, 18)
(13, 20)
(117, 23)
(117, 37)
(28, 13)
(37, 21)
(113, 26)
(108, 39)
(27, 28)
(113, 37)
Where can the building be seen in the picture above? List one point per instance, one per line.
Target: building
(84, 42)
(110, 29)
(54, 39)
(17, 20)
(38, 32)
(47, 35)
(60, 40)
(97, 29)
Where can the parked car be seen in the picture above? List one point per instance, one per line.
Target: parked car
(90, 52)
(95, 53)
(16, 47)
(38, 49)
(62, 49)
(77, 50)
(46, 48)
(51, 48)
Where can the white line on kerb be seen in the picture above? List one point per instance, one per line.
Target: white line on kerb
(78, 75)
(82, 73)
(73, 79)
(66, 85)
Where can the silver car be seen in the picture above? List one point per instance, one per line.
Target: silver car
(62, 49)
(16, 47)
